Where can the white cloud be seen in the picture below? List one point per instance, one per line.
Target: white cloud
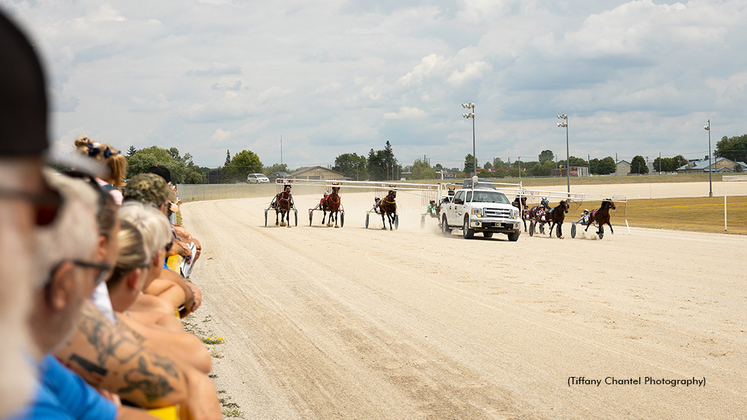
(430, 64)
(220, 135)
(406, 113)
(474, 70)
(106, 14)
(328, 77)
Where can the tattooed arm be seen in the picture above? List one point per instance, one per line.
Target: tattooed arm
(181, 344)
(117, 361)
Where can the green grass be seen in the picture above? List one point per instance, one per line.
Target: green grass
(612, 179)
(703, 214)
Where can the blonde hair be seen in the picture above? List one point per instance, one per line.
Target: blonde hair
(132, 253)
(74, 234)
(106, 154)
(150, 222)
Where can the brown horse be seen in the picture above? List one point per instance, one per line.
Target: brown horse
(556, 216)
(389, 209)
(282, 204)
(331, 204)
(601, 216)
(537, 215)
(521, 204)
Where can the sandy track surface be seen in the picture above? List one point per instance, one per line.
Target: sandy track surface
(359, 323)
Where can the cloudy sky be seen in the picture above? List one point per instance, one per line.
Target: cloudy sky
(344, 76)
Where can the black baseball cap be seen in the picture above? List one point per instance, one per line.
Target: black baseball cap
(163, 172)
(23, 99)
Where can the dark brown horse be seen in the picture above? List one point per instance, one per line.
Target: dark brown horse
(331, 204)
(389, 209)
(556, 216)
(601, 216)
(282, 204)
(537, 215)
(521, 204)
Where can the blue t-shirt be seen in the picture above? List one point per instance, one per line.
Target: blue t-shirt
(64, 395)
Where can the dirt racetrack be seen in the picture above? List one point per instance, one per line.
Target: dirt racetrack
(356, 323)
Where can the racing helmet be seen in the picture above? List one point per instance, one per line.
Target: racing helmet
(545, 201)
(432, 201)
(586, 210)
(377, 199)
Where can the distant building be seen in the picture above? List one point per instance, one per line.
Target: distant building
(622, 167)
(575, 171)
(719, 165)
(317, 173)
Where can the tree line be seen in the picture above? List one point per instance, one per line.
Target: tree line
(382, 164)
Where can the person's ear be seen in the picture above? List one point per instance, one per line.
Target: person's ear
(61, 287)
(101, 246)
(132, 278)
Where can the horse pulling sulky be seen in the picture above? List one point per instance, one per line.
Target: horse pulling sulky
(283, 205)
(331, 203)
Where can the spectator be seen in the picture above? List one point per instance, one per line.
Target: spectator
(143, 237)
(110, 157)
(184, 238)
(25, 201)
(150, 188)
(65, 277)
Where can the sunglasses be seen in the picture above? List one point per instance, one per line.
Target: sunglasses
(104, 270)
(46, 204)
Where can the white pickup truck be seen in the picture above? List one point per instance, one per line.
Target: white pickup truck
(478, 207)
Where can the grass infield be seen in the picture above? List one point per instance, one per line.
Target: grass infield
(704, 214)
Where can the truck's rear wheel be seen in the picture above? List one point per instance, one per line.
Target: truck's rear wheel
(445, 227)
(467, 233)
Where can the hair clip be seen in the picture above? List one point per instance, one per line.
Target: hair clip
(108, 153)
(92, 151)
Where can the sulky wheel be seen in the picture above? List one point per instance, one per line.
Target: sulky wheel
(367, 216)
(265, 217)
(531, 228)
(573, 230)
(311, 217)
(295, 216)
(342, 219)
(396, 221)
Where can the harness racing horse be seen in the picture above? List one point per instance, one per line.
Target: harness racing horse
(537, 215)
(556, 216)
(601, 216)
(282, 204)
(389, 209)
(522, 206)
(331, 204)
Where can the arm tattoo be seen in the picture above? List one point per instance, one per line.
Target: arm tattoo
(115, 351)
(141, 379)
(124, 327)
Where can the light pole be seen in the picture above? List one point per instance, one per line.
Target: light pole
(710, 170)
(561, 124)
(472, 115)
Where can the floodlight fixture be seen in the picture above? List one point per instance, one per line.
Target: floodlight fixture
(472, 115)
(564, 124)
